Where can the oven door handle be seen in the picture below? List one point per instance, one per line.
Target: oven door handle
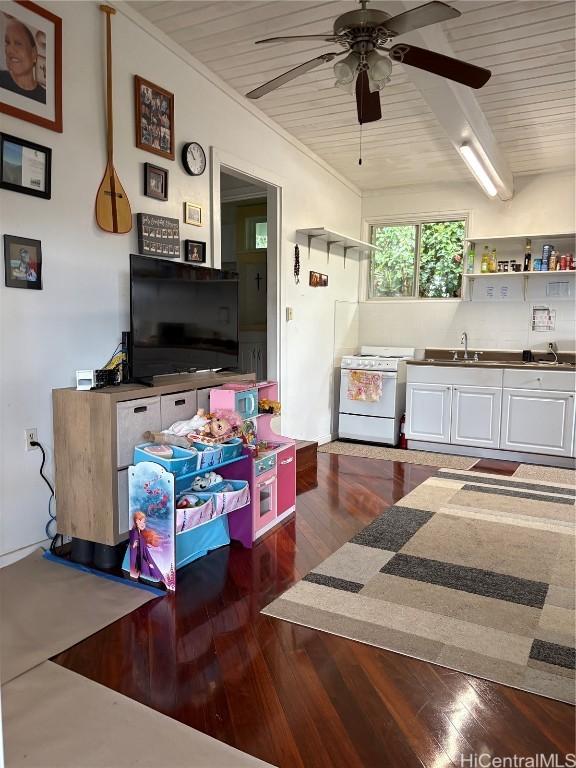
(384, 374)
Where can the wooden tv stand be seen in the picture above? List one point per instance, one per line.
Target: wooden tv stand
(95, 432)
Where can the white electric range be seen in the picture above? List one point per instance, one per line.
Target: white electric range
(375, 422)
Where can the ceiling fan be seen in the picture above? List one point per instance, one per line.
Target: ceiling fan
(365, 32)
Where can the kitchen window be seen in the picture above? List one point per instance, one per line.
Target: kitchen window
(417, 259)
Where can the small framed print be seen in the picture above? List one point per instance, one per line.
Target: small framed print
(22, 262)
(192, 214)
(155, 182)
(154, 118)
(195, 251)
(31, 64)
(318, 280)
(25, 167)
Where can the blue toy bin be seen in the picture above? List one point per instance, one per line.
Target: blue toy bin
(190, 545)
(232, 448)
(183, 461)
(208, 455)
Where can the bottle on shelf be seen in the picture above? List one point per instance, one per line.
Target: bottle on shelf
(485, 263)
(553, 261)
(471, 258)
(546, 253)
(528, 256)
(493, 267)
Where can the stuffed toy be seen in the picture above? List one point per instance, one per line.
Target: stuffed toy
(225, 423)
(204, 482)
(220, 427)
(196, 425)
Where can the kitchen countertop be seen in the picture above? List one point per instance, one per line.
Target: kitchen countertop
(448, 363)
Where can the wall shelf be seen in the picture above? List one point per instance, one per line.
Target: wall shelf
(556, 273)
(485, 238)
(335, 238)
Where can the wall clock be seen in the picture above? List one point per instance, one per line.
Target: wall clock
(193, 158)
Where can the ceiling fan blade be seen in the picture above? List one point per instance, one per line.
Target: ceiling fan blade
(367, 103)
(291, 74)
(438, 64)
(423, 16)
(328, 37)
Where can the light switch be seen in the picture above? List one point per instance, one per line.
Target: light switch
(289, 314)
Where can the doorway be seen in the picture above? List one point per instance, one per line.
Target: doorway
(244, 249)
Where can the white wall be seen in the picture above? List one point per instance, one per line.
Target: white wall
(76, 321)
(542, 204)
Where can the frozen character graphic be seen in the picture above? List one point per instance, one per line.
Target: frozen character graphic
(141, 539)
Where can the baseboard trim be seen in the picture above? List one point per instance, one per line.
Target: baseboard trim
(564, 462)
(17, 554)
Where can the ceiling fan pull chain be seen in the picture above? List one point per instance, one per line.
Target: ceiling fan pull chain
(360, 158)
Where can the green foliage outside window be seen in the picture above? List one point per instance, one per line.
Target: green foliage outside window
(436, 247)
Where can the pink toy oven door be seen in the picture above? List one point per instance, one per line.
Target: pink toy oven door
(286, 470)
(265, 501)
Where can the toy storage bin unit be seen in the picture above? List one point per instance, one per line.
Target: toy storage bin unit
(195, 537)
(271, 475)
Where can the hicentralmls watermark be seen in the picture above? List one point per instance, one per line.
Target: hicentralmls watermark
(518, 761)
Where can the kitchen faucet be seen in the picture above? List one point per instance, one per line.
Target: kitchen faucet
(464, 340)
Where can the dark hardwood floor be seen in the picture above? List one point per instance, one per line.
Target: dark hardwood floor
(294, 696)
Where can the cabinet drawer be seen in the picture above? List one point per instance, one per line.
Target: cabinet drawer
(177, 407)
(133, 418)
(454, 374)
(557, 381)
(123, 505)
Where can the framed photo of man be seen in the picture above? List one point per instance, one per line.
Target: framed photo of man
(31, 64)
(22, 262)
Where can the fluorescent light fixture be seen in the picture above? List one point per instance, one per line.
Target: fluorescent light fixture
(474, 163)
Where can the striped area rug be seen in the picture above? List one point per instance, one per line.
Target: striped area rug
(471, 571)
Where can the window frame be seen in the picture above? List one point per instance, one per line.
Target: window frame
(415, 221)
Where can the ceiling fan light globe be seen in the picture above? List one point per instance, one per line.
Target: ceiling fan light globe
(379, 67)
(376, 85)
(345, 69)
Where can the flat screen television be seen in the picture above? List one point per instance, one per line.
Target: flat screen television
(182, 317)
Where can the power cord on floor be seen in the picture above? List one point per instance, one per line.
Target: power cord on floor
(49, 534)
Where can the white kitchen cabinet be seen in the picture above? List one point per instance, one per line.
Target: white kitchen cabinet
(536, 421)
(428, 409)
(476, 416)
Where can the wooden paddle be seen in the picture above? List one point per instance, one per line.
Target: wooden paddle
(113, 212)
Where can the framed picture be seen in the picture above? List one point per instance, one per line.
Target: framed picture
(154, 118)
(193, 214)
(155, 182)
(22, 262)
(31, 64)
(25, 167)
(318, 280)
(195, 250)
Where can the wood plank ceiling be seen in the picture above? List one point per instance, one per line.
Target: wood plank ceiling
(529, 101)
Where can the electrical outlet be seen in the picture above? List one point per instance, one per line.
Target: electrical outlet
(31, 435)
